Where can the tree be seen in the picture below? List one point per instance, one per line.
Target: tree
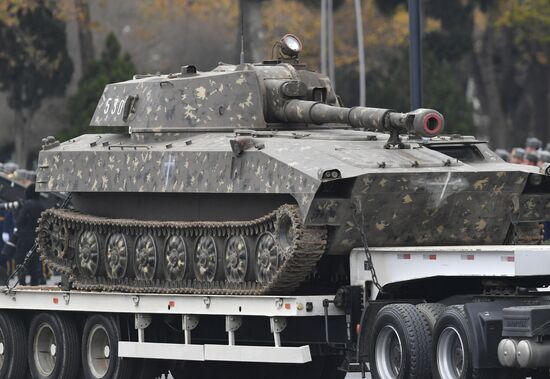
(34, 63)
(87, 53)
(112, 67)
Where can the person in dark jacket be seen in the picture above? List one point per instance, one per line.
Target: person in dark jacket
(26, 222)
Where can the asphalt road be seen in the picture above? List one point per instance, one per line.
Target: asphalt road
(349, 376)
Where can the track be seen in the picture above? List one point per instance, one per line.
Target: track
(101, 254)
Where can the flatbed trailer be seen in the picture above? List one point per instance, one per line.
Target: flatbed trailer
(449, 312)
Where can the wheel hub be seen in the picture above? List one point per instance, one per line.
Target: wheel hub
(236, 258)
(450, 354)
(146, 257)
(44, 350)
(117, 256)
(176, 258)
(267, 258)
(98, 352)
(88, 253)
(206, 259)
(388, 353)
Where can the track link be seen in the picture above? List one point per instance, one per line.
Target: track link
(300, 249)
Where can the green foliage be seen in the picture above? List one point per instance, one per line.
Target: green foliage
(443, 83)
(388, 87)
(34, 63)
(530, 20)
(112, 67)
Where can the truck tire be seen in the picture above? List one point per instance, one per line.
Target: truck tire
(53, 347)
(452, 347)
(100, 350)
(431, 312)
(13, 336)
(399, 344)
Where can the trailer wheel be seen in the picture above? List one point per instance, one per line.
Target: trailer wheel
(53, 347)
(13, 354)
(399, 346)
(431, 312)
(451, 351)
(100, 350)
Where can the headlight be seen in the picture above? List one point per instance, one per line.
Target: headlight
(291, 45)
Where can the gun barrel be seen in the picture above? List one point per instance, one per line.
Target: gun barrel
(425, 122)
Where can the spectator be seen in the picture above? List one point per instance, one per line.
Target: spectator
(6, 251)
(544, 157)
(517, 156)
(6, 226)
(532, 144)
(503, 154)
(531, 159)
(26, 234)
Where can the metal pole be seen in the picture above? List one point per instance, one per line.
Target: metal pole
(331, 44)
(361, 53)
(415, 54)
(324, 37)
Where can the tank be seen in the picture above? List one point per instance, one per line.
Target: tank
(255, 179)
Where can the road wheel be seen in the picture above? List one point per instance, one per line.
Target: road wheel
(399, 346)
(53, 347)
(13, 355)
(100, 350)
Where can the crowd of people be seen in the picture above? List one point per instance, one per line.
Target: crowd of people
(532, 154)
(18, 222)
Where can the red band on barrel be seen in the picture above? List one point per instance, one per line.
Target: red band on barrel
(439, 124)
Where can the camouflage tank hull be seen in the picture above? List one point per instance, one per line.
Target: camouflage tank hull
(271, 239)
(250, 179)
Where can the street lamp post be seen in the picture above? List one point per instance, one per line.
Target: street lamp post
(415, 54)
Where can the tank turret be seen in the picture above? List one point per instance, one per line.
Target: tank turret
(280, 93)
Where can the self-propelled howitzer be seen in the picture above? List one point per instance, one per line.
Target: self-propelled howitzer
(249, 178)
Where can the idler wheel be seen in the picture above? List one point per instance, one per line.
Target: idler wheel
(59, 239)
(116, 262)
(236, 259)
(267, 257)
(88, 253)
(175, 258)
(205, 262)
(145, 260)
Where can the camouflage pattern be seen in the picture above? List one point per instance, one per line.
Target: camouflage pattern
(277, 129)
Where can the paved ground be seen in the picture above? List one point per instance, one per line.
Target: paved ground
(349, 376)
